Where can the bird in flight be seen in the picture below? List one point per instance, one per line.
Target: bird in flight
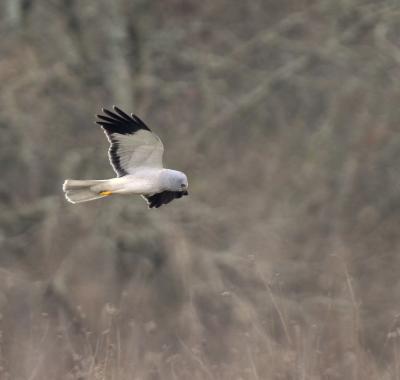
(135, 154)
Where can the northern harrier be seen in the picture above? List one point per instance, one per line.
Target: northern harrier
(136, 155)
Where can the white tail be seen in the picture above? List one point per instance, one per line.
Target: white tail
(77, 191)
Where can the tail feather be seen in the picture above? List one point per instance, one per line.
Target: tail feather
(74, 184)
(78, 196)
(77, 191)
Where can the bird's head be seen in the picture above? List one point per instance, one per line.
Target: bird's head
(175, 181)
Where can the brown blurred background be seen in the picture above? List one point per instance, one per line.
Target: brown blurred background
(284, 262)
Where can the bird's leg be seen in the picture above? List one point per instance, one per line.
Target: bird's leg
(105, 193)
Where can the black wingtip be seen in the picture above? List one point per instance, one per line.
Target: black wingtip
(122, 114)
(117, 121)
(106, 110)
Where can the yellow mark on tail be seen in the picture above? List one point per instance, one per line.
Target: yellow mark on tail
(105, 193)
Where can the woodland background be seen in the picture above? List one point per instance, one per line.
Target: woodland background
(284, 261)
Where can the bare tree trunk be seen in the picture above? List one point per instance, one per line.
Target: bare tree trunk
(115, 41)
(15, 12)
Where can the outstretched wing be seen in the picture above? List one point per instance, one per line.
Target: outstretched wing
(159, 199)
(132, 144)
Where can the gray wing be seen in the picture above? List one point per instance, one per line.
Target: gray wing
(132, 143)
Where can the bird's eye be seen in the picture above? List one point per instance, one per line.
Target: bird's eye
(183, 185)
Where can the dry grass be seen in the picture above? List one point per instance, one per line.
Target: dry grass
(233, 323)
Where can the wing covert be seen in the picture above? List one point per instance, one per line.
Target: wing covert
(132, 143)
